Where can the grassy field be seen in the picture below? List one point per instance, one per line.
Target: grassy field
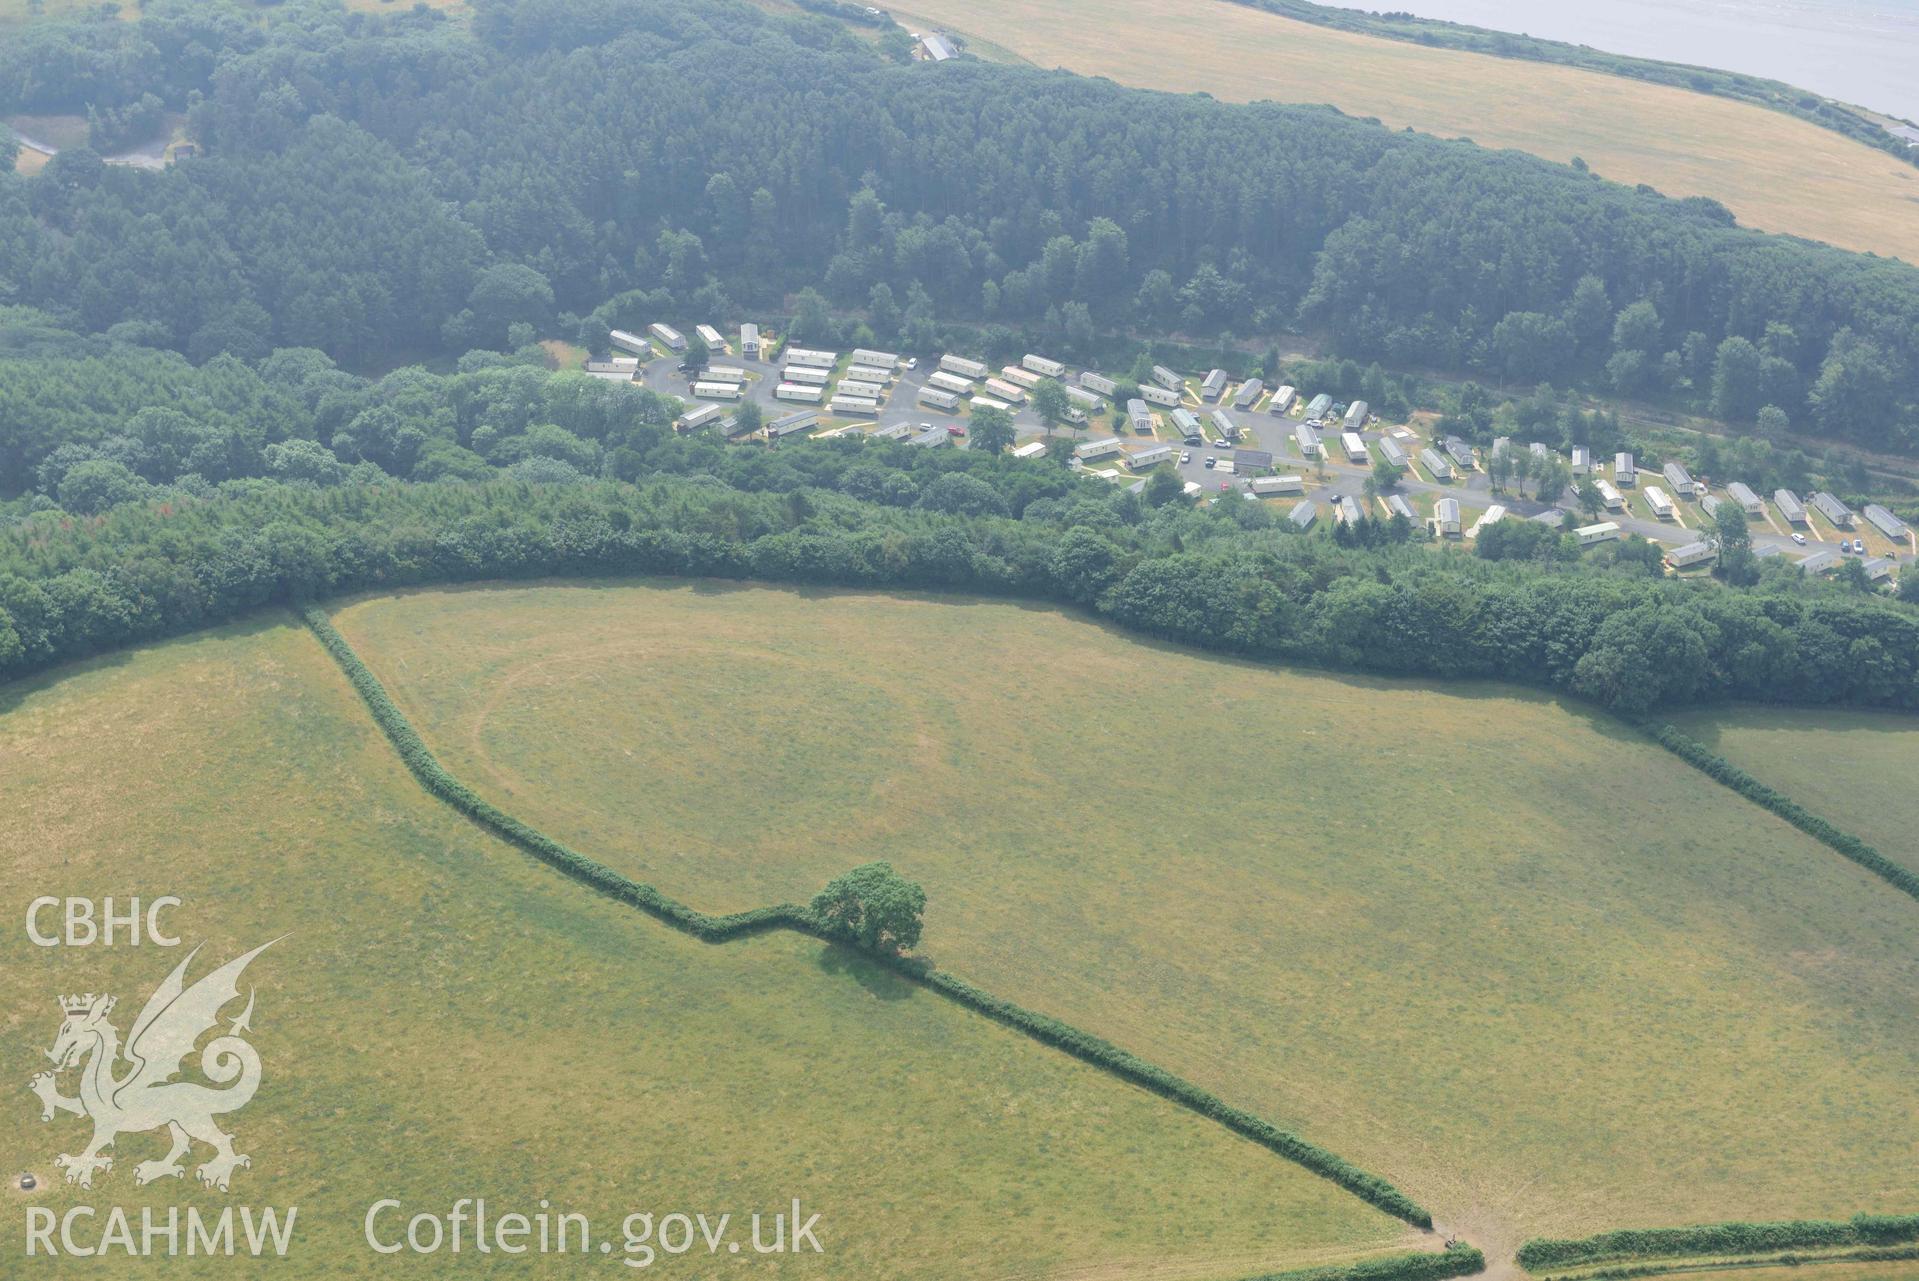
(1503, 952)
(1773, 171)
(448, 1019)
(1859, 769)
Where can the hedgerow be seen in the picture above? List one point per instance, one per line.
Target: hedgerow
(1865, 1230)
(1456, 1260)
(1787, 1260)
(426, 767)
(1724, 771)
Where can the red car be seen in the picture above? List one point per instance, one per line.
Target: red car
(1225, 485)
(956, 431)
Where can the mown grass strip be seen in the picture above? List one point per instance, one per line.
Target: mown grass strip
(1721, 770)
(1863, 1232)
(426, 768)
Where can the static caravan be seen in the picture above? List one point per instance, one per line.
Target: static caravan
(1004, 390)
(1551, 518)
(700, 417)
(1446, 516)
(1605, 531)
(674, 340)
(797, 392)
(621, 369)
(1437, 464)
(1187, 426)
(1308, 441)
(710, 336)
(938, 399)
(1031, 449)
(944, 381)
(857, 406)
(807, 376)
(1214, 385)
(717, 391)
(1609, 493)
(1459, 451)
(1139, 416)
(877, 359)
(811, 358)
(1248, 394)
(630, 342)
(1501, 444)
(1319, 405)
(1355, 446)
(750, 341)
(1877, 568)
(1398, 506)
(788, 424)
(1539, 450)
(990, 402)
(1690, 554)
(963, 367)
(1623, 473)
(1661, 505)
(1789, 506)
(1019, 377)
(1098, 382)
(1268, 485)
(1347, 509)
(1582, 460)
(1391, 452)
(1083, 398)
(868, 391)
(1304, 513)
(1750, 502)
(1356, 415)
(898, 431)
(1710, 504)
(1224, 425)
(1832, 509)
(932, 438)
(1282, 400)
(1159, 395)
(1680, 479)
(1168, 379)
(1151, 456)
(722, 374)
(1042, 366)
(1819, 562)
(1086, 451)
(1885, 522)
(870, 374)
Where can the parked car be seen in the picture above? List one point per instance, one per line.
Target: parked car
(956, 430)
(1859, 545)
(1800, 539)
(1185, 456)
(1225, 485)
(912, 362)
(1211, 461)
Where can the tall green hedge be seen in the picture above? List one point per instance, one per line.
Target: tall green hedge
(436, 779)
(1453, 1261)
(1724, 771)
(1863, 1230)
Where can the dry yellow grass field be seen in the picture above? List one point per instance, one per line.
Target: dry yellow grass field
(1775, 172)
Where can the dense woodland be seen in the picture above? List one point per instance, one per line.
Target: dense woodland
(375, 185)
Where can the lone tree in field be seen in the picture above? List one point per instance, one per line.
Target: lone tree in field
(874, 907)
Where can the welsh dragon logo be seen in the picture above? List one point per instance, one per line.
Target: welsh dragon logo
(144, 1095)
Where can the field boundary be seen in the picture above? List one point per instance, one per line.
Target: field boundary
(1723, 771)
(1455, 1260)
(1640, 1252)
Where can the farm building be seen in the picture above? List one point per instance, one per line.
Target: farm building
(1031, 449)
(1749, 502)
(1004, 390)
(630, 342)
(1159, 395)
(1356, 414)
(1086, 451)
(1214, 385)
(1021, 377)
(1789, 506)
(1609, 494)
(1347, 509)
(1098, 382)
(1318, 406)
(1282, 400)
(1308, 441)
(1690, 554)
(750, 341)
(1582, 460)
(811, 358)
(1304, 513)
(1355, 446)
(962, 367)
(1460, 452)
(799, 392)
(1661, 505)
(1819, 562)
(851, 387)
(949, 382)
(673, 338)
(1832, 509)
(1139, 415)
(1186, 424)
(1224, 425)
(877, 359)
(1446, 516)
(938, 48)
(1168, 379)
(870, 374)
(898, 431)
(717, 391)
(938, 399)
(1436, 464)
(806, 376)
(709, 335)
(722, 374)
(1885, 522)
(621, 369)
(856, 406)
(787, 424)
(1151, 456)
(1083, 398)
(1042, 366)
(1248, 394)
(701, 417)
(990, 402)
(1398, 506)
(1391, 452)
(1252, 459)
(1268, 485)
(1604, 532)
(1680, 479)
(1877, 568)
(1623, 472)
(931, 438)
